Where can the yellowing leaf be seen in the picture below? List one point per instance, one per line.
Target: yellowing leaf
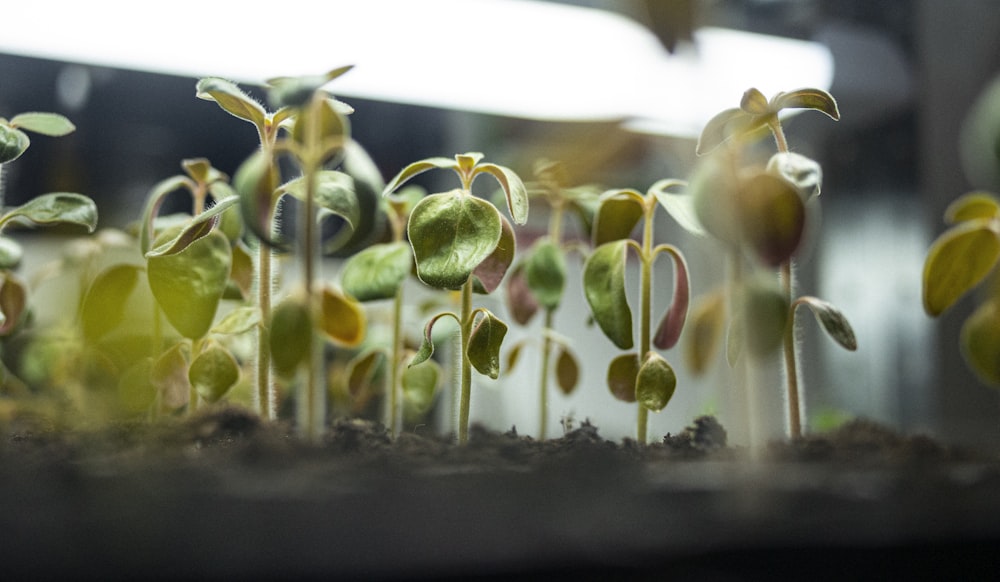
(622, 374)
(972, 206)
(958, 261)
(705, 330)
(655, 383)
(102, 306)
(291, 336)
(567, 371)
(343, 319)
(981, 342)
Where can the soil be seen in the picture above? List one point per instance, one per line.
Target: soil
(225, 496)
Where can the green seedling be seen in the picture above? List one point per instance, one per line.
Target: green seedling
(644, 376)
(462, 242)
(538, 280)
(317, 138)
(379, 273)
(959, 261)
(762, 212)
(190, 261)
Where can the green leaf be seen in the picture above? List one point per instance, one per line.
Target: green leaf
(56, 208)
(604, 287)
(136, 392)
(230, 221)
(705, 331)
(232, 99)
(189, 284)
(817, 99)
(213, 372)
(154, 200)
(484, 345)
(545, 273)
(980, 342)
(334, 195)
(451, 234)
(102, 306)
(489, 273)
(623, 371)
(343, 319)
(958, 261)
(169, 375)
(521, 302)
(833, 322)
(972, 206)
(765, 310)
(242, 272)
(726, 125)
(291, 336)
(655, 383)
(754, 102)
(513, 188)
(199, 227)
(670, 327)
(361, 371)
(679, 206)
(773, 217)
(13, 303)
(332, 128)
(13, 143)
(567, 371)
(237, 321)
(297, 91)
(256, 180)
(377, 272)
(420, 383)
(619, 212)
(715, 197)
(11, 253)
(426, 349)
(51, 124)
(416, 168)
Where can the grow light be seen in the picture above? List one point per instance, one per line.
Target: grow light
(518, 58)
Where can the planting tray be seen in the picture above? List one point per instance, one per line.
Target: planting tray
(222, 496)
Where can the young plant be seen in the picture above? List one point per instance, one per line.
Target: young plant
(462, 242)
(378, 273)
(317, 138)
(644, 376)
(957, 262)
(538, 280)
(764, 212)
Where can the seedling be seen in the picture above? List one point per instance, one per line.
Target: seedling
(958, 262)
(377, 273)
(644, 376)
(537, 282)
(763, 212)
(462, 242)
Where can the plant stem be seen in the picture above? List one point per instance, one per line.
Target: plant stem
(645, 308)
(397, 356)
(465, 334)
(265, 404)
(794, 418)
(193, 394)
(308, 244)
(543, 383)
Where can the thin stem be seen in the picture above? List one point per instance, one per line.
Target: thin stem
(543, 380)
(309, 243)
(645, 309)
(779, 134)
(397, 356)
(465, 334)
(265, 286)
(791, 372)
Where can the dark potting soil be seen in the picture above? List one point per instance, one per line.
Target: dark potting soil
(226, 496)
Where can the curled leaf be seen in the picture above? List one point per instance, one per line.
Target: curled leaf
(833, 322)
(415, 169)
(958, 261)
(817, 99)
(56, 208)
(489, 273)
(604, 288)
(484, 345)
(513, 188)
(426, 349)
(669, 329)
(13, 303)
(803, 173)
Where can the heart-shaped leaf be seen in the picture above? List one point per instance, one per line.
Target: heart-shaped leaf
(451, 234)
(189, 284)
(13, 143)
(513, 188)
(420, 384)
(655, 383)
(981, 342)
(958, 261)
(51, 124)
(669, 329)
(567, 371)
(56, 208)
(169, 375)
(232, 99)
(343, 319)
(832, 321)
(708, 321)
(619, 212)
(291, 336)
(521, 302)
(972, 206)
(604, 287)
(102, 306)
(489, 273)
(484, 345)
(213, 372)
(545, 273)
(623, 371)
(377, 272)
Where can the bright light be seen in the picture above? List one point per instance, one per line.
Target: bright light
(519, 58)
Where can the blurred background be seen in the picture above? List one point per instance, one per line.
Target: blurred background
(905, 73)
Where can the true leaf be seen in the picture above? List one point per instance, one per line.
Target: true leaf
(655, 382)
(102, 306)
(416, 168)
(451, 234)
(377, 272)
(51, 124)
(484, 345)
(958, 261)
(833, 322)
(567, 371)
(807, 99)
(513, 188)
(56, 208)
(622, 374)
(669, 329)
(213, 372)
(189, 284)
(981, 342)
(972, 206)
(617, 216)
(420, 383)
(491, 271)
(804, 174)
(604, 288)
(291, 336)
(754, 102)
(343, 319)
(545, 273)
(705, 331)
(199, 227)
(232, 99)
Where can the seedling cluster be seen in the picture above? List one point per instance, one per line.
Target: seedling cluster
(227, 302)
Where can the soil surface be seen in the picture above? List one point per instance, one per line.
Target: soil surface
(225, 496)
